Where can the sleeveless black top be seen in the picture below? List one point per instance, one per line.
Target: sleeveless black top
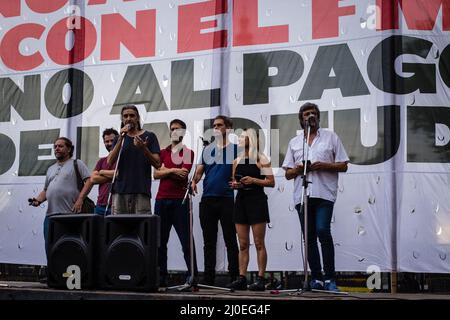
(251, 170)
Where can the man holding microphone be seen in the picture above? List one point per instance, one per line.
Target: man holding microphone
(139, 151)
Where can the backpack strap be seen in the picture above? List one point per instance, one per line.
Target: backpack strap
(79, 179)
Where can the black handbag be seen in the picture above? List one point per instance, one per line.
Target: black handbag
(88, 204)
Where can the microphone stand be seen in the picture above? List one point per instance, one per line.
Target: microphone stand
(304, 205)
(190, 285)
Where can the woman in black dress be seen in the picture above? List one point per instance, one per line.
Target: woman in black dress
(251, 173)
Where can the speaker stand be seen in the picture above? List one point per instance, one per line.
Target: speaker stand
(189, 287)
(299, 292)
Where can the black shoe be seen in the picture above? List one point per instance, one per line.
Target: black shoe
(274, 284)
(208, 281)
(163, 282)
(43, 280)
(258, 285)
(239, 284)
(42, 275)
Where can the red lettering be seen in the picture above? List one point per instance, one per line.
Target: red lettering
(47, 6)
(419, 14)
(325, 18)
(246, 30)
(388, 9)
(10, 8)
(140, 40)
(95, 2)
(9, 48)
(85, 41)
(190, 25)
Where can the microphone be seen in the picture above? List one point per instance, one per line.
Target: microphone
(129, 126)
(32, 200)
(310, 120)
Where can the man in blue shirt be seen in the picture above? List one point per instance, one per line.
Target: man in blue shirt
(218, 199)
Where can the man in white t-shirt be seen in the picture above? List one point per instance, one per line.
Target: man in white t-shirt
(327, 158)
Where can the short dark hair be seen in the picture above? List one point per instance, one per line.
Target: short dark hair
(180, 122)
(307, 106)
(227, 121)
(68, 144)
(109, 131)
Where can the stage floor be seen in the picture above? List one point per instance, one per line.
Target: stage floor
(10, 290)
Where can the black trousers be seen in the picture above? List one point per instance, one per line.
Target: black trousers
(213, 210)
(174, 213)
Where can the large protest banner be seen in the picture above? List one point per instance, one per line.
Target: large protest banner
(378, 69)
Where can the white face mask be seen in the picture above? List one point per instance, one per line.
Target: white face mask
(177, 134)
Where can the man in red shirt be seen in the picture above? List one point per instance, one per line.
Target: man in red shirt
(102, 175)
(176, 163)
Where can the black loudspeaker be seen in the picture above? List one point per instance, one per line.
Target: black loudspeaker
(130, 252)
(73, 240)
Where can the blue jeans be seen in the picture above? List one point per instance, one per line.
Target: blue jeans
(320, 212)
(101, 210)
(174, 213)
